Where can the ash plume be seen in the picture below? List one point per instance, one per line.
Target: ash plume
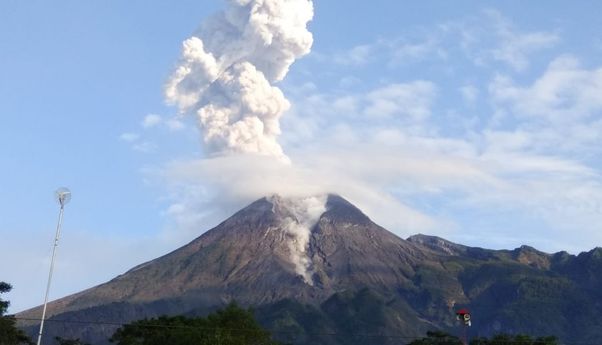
(227, 68)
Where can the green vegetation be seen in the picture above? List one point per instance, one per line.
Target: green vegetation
(9, 334)
(442, 338)
(438, 338)
(362, 317)
(230, 326)
(62, 341)
(518, 339)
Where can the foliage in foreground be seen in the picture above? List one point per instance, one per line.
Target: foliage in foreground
(442, 338)
(230, 326)
(62, 341)
(437, 338)
(517, 339)
(9, 333)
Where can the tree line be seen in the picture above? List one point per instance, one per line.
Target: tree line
(442, 338)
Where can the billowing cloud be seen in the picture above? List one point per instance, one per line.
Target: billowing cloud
(227, 68)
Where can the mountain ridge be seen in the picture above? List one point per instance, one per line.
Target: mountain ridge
(321, 256)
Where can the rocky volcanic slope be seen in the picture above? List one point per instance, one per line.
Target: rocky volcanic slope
(319, 271)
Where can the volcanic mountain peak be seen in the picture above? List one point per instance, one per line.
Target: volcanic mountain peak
(300, 248)
(302, 209)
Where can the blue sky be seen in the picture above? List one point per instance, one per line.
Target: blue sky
(477, 121)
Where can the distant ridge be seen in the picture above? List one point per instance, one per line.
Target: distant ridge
(438, 244)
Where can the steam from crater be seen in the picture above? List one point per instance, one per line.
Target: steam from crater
(303, 213)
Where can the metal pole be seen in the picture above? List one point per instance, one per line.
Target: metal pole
(56, 243)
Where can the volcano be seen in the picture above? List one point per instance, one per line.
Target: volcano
(317, 270)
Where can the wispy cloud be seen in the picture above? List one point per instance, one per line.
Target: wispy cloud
(129, 137)
(137, 142)
(175, 124)
(514, 47)
(393, 51)
(357, 55)
(405, 100)
(151, 120)
(559, 111)
(492, 37)
(564, 93)
(144, 139)
(487, 38)
(391, 176)
(469, 93)
(155, 120)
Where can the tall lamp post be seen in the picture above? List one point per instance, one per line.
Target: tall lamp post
(63, 196)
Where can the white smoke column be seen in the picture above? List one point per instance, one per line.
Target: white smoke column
(227, 68)
(305, 213)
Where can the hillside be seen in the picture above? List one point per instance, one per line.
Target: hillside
(319, 271)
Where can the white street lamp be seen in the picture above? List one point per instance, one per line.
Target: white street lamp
(63, 196)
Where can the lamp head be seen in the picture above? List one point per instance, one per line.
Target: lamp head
(63, 196)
